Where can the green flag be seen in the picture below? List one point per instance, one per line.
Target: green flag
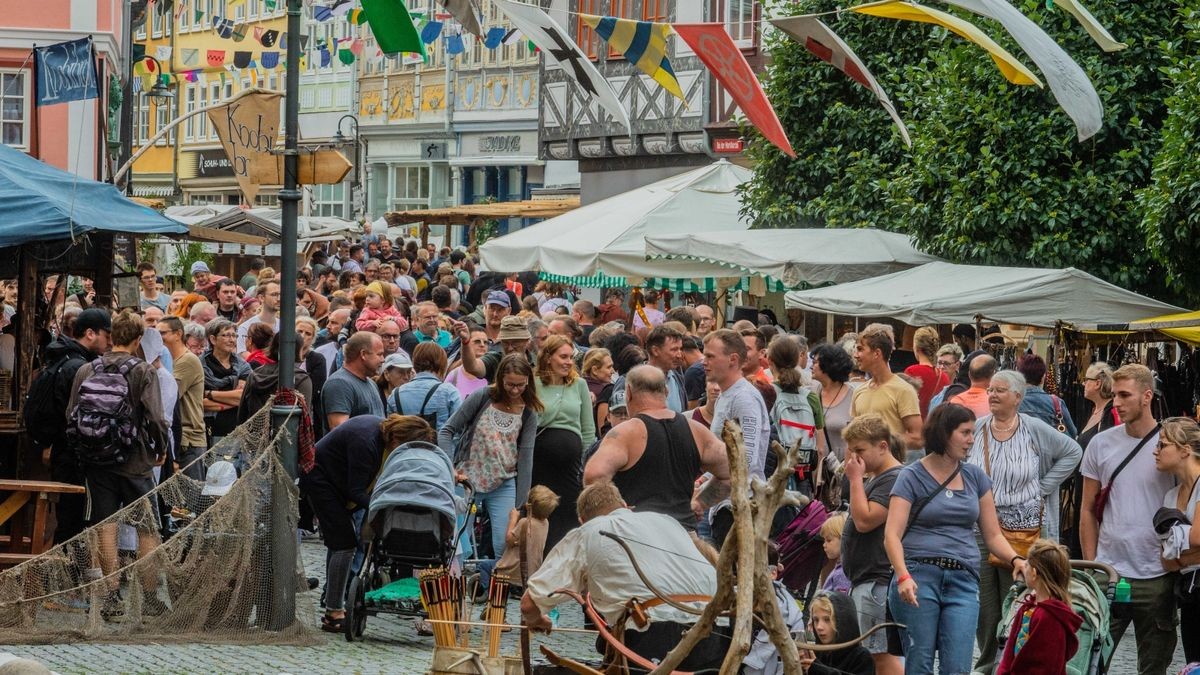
(393, 27)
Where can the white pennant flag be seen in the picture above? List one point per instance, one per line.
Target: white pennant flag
(1070, 85)
(464, 12)
(827, 46)
(556, 43)
(163, 53)
(1093, 27)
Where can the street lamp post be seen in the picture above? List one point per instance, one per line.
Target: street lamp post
(160, 94)
(341, 140)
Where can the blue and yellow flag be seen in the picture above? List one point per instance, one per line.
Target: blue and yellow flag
(643, 43)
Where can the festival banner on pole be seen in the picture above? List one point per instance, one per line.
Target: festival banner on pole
(248, 126)
(542, 30)
(1014, 71)
(827, 46)
(66, 71)
(1093, 27)
(724, 59)
(1069, 84)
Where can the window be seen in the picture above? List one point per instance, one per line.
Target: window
(584, 35)
(202, 120)
(267, 199)
(654, 10)
(621, 9)
(14, 108)
(185, 15)
(329, 200)
(156, 20)
(739, 21)
(189, 127)
(410, 187)
(214, 97)
(162, 117)
(252, 8)
(239, 13)
(143, 120)
(325, 96)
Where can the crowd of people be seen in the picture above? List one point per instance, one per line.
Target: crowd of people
(574, 421)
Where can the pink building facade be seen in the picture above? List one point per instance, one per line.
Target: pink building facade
(72, 136)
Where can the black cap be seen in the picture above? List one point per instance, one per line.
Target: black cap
(94, 318)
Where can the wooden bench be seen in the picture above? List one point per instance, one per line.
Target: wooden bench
(26, 511)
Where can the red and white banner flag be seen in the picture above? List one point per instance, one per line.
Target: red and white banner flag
(719, 53)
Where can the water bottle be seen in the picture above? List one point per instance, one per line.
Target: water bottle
(1123, 591)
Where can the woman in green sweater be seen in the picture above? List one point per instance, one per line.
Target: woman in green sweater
(565, 428)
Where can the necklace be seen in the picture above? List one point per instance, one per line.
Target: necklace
(832, 401)
(996, 428)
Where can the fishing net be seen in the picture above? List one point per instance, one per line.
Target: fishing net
(223, 575)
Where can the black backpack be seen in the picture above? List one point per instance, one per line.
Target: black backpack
(431, 418)
(43, 414)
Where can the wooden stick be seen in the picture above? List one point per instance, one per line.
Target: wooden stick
(487, 624)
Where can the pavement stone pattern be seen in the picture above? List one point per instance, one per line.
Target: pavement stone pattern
(390, 645)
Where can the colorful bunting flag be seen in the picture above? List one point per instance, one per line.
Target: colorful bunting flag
(827, 46)
(511, 37)
(1014, 71)
(241, 59)
(393, 27)
(341, 7)
(223, 27)
(190, 57)
(162, 52)
(258, 33)
(270, 59)
(556, 42)
(431, 32)
(346, 56)
(356, 46)
(239, 34)
(643, 44)
(464, 13)
(322, 13)
(325, 56)
(724, 59)
(270, 5)
(197, 16)
(216, 57)
(454, 45)
(358, 17)
(1068, 82)
(1098, 32)
(269, 37)
(494, 37)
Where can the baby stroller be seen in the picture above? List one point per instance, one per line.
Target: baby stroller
(410, 525)
(1090, 602)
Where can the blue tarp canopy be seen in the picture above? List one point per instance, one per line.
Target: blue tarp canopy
(39, 202)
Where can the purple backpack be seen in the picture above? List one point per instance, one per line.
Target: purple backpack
(801, 549)
(101, 427)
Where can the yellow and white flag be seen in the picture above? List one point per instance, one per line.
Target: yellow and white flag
(1098, 32)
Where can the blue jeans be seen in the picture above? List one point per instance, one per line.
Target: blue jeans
(499, 504)
(943, 622)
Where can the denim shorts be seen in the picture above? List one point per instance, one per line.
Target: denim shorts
(870, 598)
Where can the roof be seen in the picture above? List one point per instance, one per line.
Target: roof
(469, 213)
(261, 222)
(940, 293)
(39, 202)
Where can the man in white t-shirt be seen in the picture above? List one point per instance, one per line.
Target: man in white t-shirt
(1125, 538)
(268, 313)
(724, 353)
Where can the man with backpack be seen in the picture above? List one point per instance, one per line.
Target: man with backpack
(45, 408)
(116, 425)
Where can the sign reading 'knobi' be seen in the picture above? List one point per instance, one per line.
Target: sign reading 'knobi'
(248, 126)
(66, 71)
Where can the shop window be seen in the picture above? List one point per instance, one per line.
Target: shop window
(739, 21)
(14, 108)
(410, 187)
(584, 35)
(329, 200)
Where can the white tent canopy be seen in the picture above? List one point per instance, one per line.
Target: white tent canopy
(939, 292)
(796, 257)
(310, 228)
(608, 237)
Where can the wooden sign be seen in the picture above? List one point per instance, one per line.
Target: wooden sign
(248, 126)
(323, 167)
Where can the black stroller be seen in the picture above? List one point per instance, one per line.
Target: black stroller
(410, 525)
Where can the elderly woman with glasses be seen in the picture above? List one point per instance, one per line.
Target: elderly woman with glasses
(225, 375)
(1026, 460)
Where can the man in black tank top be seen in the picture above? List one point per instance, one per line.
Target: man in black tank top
(655, 457)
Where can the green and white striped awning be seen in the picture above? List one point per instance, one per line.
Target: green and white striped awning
(706, 285)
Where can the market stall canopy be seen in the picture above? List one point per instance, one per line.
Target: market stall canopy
(1184, 327)
(606, 239)
(39, 202)
(799, 258)
(468, 214)
(940, 292)
(262, 223)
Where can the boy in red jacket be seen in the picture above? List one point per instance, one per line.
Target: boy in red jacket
(1042, 637)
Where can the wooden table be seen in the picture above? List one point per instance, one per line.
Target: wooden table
(25, 511)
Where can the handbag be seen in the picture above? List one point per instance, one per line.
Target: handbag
(1101, 501)
(1021, 540)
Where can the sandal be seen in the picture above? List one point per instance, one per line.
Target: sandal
(332, 624)
(424, 628)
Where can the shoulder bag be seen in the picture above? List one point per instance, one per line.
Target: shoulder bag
(1020, 540)
(1101, 502)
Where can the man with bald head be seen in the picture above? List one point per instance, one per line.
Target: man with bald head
(329, 345)
(980, 369)
(655, 456)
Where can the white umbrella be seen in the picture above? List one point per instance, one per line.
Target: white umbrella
(608, 236)
(796, 257)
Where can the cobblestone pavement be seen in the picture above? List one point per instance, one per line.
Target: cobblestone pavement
(391, 645)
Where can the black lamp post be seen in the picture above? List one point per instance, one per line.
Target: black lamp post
(341, 140)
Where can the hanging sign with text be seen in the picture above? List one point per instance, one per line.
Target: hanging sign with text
(248, 126)
(66, 71)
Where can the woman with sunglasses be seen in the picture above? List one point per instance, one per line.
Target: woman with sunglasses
(491, 438)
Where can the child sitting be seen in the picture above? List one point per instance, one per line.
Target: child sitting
(834, 619)
(835, 579)
(377, 306)
(527, 534)
(1042, 636)
(763, 657)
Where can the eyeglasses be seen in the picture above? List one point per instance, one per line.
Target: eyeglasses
(993, 390)
(1091, 379)
(150, 277)
(946, 364)
(385, 336)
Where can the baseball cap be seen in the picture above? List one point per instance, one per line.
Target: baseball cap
(200, 266)
(499, 298)
(94, 318)
(513, 328)
(220, 478)
(398, 360)
(617, 400)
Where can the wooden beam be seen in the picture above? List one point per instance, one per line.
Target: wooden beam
(1148, 325)
(13, 504)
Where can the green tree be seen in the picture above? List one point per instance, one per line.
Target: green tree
(995, 174)
(1171, 203)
